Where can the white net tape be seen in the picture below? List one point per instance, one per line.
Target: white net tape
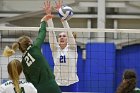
(72, 29)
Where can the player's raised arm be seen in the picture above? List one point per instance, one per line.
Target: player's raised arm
(52, 36)
(71, 39)
(65, 13)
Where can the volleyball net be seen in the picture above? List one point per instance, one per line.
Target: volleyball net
(103, 54)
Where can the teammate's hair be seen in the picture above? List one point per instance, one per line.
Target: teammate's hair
(129, 83)
(22, 44)
(14, 69)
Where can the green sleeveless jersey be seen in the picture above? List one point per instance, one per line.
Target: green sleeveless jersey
(36, 68)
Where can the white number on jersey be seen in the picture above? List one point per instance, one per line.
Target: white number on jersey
(29, 59)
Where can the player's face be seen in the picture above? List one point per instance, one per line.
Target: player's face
(62, 39)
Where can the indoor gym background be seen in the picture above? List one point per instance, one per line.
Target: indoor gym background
(106, 59)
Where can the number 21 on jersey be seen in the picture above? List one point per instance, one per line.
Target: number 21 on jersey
(62, 59)
(29, 59)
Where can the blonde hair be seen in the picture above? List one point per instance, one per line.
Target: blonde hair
(22, 44)
(14, 70)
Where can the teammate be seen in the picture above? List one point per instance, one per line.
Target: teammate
(64, 52)
(128, 85)
(35, 66)
(15, 85)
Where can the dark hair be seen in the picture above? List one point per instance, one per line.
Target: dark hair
(14, 70)
(129, 82)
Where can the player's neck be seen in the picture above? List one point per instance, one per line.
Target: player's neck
(63, 46)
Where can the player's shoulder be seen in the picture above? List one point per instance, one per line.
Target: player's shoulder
(71, 48)
(22, 82)
(7, 83)
(25, 83)
(137, 90)
(27, 86)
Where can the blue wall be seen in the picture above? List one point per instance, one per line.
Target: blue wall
(100, 67)
(48, 54)
(128, 58)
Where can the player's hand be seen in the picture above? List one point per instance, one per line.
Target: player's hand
(47, 9)
(58, 5)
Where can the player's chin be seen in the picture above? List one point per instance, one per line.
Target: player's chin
(62, 43)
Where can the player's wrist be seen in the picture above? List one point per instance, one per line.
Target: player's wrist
(49, 16)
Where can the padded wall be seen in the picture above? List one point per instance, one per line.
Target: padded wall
(128, 58)
(100, 67)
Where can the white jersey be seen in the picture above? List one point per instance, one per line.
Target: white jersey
(65, 69)
(26, 87)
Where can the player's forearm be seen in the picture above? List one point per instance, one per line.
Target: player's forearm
(71, 39)
(41, 35)
(52, 36)
(50, 23)
(65, 24)
(52, 39)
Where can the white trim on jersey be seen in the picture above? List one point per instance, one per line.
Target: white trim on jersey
(8, 87)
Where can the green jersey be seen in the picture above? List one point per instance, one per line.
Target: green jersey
(36, 68)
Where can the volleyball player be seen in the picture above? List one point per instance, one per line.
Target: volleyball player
(128, 85)
(64, 52)
(35, 66)
(15, 85)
